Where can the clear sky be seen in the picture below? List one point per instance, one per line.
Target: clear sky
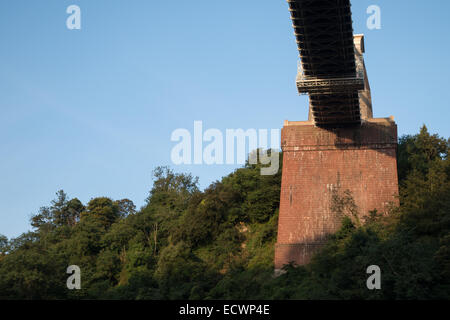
(91, 111)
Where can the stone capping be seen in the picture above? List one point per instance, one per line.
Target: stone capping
(372, 134)
(373, 146)
(386, 121)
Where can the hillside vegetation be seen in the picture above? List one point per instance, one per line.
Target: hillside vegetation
(219, 243)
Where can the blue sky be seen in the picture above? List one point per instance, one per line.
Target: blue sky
(91, 111)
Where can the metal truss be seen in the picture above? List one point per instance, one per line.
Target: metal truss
(329, 72)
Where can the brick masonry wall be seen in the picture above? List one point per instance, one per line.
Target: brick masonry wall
(316, 162)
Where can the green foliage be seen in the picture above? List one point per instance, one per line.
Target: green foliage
(104, 210)
(343, 205)
(25, 272)
(4, 245)
(419, 152)
(219, 243)
(61, 212)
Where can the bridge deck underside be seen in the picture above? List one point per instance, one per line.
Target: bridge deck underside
(324, 33)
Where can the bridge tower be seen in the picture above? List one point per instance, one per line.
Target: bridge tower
(341, 150)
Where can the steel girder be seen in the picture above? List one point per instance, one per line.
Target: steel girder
(324, 33)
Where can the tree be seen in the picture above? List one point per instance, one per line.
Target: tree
(69, 214)
(416, 153)
(61, 212)
(4, 245)
(126, 207)
(105, 210)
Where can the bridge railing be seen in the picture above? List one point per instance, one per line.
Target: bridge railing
(329, 84)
